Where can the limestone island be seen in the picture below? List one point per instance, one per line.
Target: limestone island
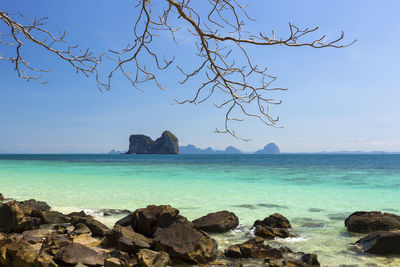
(142, 144)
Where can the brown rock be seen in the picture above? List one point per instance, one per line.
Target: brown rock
(11, 217)
(183, 242)
(53, 217)
(76, 253)
(86, 240)
(270, 232)
(96, 227)
(36, 236)
(126, 240)
(81, 228)
(369, 221)
(381, 243)
(275, 220)
(218, 222)
(2, 197)
(44, 260)
(112, 262)
(149, 258)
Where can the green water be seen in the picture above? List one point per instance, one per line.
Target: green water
(315, 192)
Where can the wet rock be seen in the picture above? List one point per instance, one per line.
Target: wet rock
(126, 240)
(86, 240)
(149, 258)
(124, 258)
(96, 227)
(146, 221)
(76, 253)
(292, 259)
(64, 228)
(271, 232)
(2, 197)
(185, 243)
(275, 220)
(76, 214)
(112, 212)
(365, 222)
(218, 222)
(11, 217)
(253, 248)
(381, 243)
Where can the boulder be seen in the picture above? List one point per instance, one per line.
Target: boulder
(53, 217)
(96, 227)
(149, 258)
(2, 197)
(80, 229)
(271, 233)
(370, 221)
(142, 144)
(275, 220)
(11, 217)
(126, 240)
(36, 236)
(146, 221)
(76, 253)
(31, 205)
(381, 243)
(275, 225)
(54, 242)
(183, 242)
(218, 222)
(253, 248)
(19, 254)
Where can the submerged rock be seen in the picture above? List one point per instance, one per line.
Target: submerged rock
(218, 222)
(381, 243)
(369, 221)
(185, 243)
(142, 144)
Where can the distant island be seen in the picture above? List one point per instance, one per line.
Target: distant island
(270, 148)
(191, 149)
(116, 152)
(143, 144)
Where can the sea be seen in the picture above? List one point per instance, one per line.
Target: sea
(316, 192)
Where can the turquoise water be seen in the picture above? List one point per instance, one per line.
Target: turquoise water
(315, 192)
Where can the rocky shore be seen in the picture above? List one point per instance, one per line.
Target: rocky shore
(32, 234)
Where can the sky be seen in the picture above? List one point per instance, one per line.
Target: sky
(337, 99)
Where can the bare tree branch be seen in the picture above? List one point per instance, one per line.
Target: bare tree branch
(222, 47)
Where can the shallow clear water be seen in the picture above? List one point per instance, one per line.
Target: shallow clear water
(315, 192)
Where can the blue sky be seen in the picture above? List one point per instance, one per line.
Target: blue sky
(338, 99)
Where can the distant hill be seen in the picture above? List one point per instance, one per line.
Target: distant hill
(271, 148)
(191, 149)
